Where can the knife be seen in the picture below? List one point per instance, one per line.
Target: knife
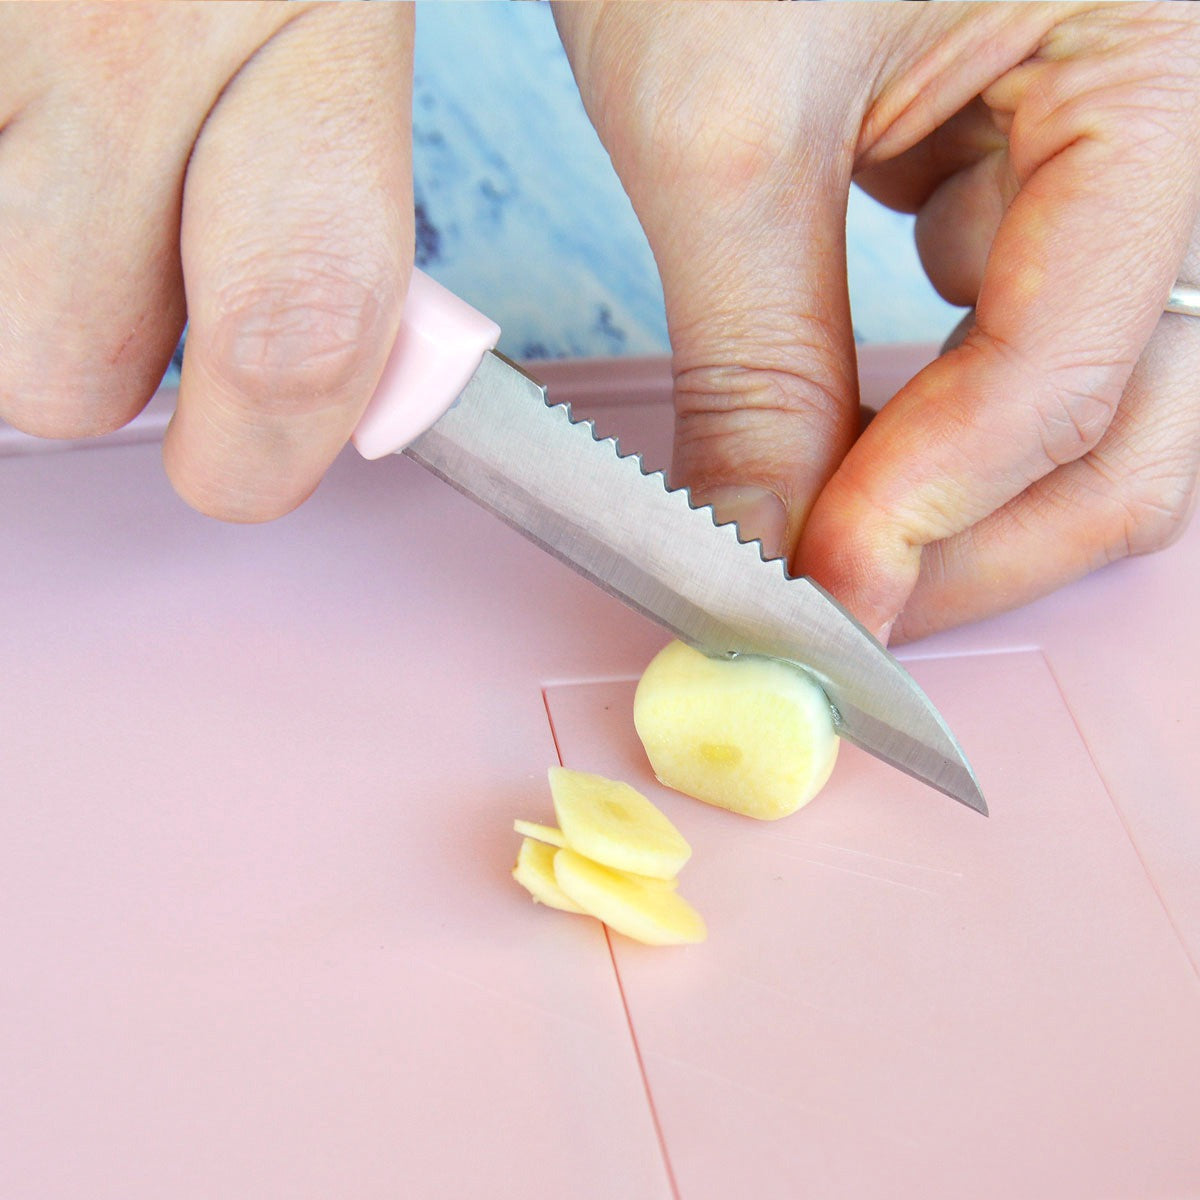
(450, 401)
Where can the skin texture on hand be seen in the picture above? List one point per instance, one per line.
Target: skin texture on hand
(1052, 154)
(245, 165)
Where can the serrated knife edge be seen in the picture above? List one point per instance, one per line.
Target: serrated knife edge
(551, 477)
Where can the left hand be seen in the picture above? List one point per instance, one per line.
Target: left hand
(1052, 153)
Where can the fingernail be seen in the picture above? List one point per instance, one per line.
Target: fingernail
(759, 513)
(885, 631)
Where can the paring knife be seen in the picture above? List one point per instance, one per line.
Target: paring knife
(448, 400)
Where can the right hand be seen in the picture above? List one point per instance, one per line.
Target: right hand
(244, 166)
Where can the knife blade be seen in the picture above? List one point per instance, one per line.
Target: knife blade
(529, 461)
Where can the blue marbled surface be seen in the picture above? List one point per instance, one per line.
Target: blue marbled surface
(521, 213)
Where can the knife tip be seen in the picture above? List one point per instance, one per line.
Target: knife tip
(968, 793)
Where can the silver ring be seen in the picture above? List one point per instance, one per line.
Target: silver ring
(1185, 299)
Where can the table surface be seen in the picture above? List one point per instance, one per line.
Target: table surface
(258, 936)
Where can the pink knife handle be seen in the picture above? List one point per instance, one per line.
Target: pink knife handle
(441, 342)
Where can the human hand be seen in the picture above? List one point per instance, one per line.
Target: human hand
(1052, 153)
(248, 166)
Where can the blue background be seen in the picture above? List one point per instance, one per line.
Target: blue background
(520, 211)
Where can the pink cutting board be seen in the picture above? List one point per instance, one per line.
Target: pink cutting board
(258, 938)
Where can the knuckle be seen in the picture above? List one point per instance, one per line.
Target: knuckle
(1073, 420)
(730, 154)
(1144, 491)
(795, 370)
(735, 392)
(1074, 402)
(723, 137)
(296, 335)
(727, 413)
(1151, 513)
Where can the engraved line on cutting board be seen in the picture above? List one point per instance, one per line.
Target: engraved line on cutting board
(1174, 925)
(637, 1049)
(920, 877)
(842, 868)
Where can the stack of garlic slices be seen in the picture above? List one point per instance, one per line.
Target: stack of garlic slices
(752, 735)
(613, 856)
